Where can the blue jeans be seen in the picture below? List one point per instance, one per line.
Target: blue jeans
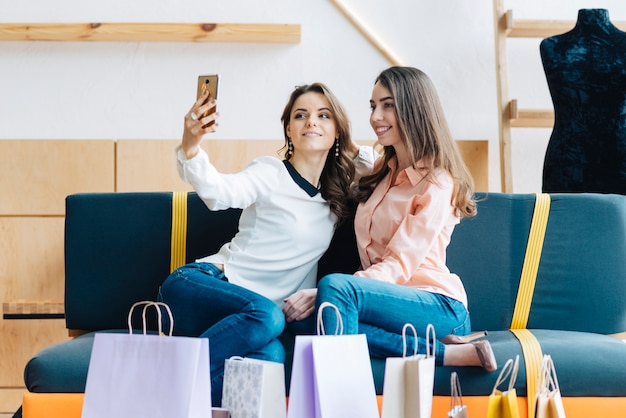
(237, 321)
(379, 310)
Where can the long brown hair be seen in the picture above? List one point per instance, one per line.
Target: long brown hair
(338, 172)
(425, 134)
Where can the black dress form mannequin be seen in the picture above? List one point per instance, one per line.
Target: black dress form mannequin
(586, 73)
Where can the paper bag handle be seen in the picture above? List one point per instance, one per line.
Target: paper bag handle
(404, 328)
(547, 376)
(514, 373)
(553, 379)
(320, 322)
(456, 398)
(146, 304)
(509, 371)
(430, 343)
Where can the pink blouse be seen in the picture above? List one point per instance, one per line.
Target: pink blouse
(403, 230)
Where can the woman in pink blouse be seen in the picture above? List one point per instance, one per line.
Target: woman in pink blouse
(409, 204)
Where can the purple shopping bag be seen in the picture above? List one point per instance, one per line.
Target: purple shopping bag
(331, 376)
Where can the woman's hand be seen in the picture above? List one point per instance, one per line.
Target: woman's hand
(300, 305)
(353, 149)
(196, 127)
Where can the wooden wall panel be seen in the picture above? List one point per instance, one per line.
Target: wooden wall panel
(37, 175)
(476, 156)
(21, 340)
(233, 156)
(31, 267)
(150, 165)
(31, 258)
(147, 166)
(475, 153)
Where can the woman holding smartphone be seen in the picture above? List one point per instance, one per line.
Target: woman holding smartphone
(242, 297)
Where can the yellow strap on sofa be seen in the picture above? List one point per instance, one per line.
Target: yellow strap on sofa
(531, 261)
(179, 230)
(532, 358)
(530, 345)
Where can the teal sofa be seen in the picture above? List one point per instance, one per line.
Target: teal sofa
(117, 252)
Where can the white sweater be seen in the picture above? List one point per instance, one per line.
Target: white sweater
(283, 230)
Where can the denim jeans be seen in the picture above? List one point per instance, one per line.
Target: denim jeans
(237, 321)
(379, 310)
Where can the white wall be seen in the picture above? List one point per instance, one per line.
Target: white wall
(97, 90)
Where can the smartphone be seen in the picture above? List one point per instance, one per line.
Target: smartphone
(208, 82)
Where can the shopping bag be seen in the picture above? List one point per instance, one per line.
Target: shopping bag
(457, 409)
(254, 388)
(331, 375)
(548, 400)
(504, 404)
(141, 375)
(408, 382)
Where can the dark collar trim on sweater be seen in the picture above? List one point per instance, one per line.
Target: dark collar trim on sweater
(300, 181)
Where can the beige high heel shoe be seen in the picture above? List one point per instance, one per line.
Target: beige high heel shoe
(486, 356)
(483, 348)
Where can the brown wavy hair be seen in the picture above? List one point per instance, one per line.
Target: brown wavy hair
(426, 136)
(338, 172)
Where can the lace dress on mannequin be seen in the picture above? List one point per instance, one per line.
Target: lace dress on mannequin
(586, 73)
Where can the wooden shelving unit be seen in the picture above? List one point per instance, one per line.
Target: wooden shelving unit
(151, 32)
(541, 28)
(28, 309)
(510, 116)
(530, 118)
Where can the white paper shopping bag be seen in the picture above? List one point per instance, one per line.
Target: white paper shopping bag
(548, 398)
(140, 375)
(254, 388)
(457, 408)
(409, 380)
(331, 376)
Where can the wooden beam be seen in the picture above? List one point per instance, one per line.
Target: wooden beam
(530, 118)
(151, 32)
(534, 118)
(526, 28)
(504, 120)
(367, 32)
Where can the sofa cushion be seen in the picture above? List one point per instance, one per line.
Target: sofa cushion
(587, 364)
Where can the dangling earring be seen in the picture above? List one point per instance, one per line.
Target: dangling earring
(289, 148)
(336, 147)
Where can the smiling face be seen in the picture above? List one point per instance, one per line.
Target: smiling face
(383, 117)
(312, 126)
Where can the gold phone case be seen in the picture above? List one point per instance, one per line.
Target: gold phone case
(208, 82)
